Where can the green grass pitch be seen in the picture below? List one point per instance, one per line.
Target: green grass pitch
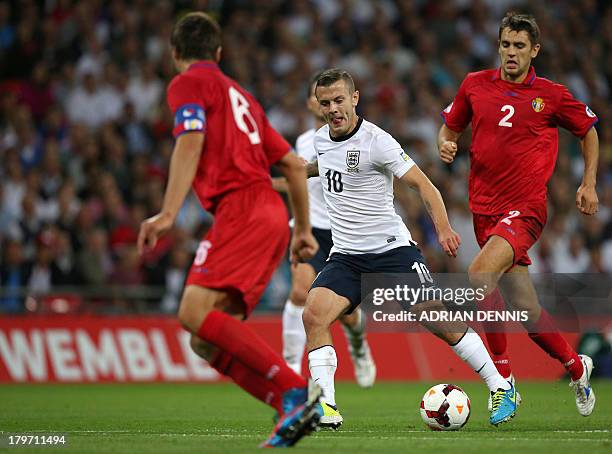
(213, 418)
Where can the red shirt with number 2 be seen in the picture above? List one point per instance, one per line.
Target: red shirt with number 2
(514, 136)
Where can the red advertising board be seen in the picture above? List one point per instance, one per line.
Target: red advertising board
(155, 349)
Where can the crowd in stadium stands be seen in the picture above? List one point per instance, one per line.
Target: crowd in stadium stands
(85, 133)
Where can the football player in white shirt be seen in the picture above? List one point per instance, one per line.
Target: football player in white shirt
(357, 162)
(303, 274)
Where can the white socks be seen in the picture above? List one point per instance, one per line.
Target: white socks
(294, 336)
(323, 363)
(471, 350)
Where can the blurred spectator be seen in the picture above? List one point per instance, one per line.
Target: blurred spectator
(68, 205)
(5, 220)
(145, 92)
(128, 271)
(13, 277)
(7, 31)
(126, 230)
(24, 52)
(51, 171)
(92, 61)
(570, 255)
(30, 223)
(29, 144)
(135, 131)
(37, 93)
(94, 262)
(44, 272)
(89, 104)
(65, 260)
(13, 184)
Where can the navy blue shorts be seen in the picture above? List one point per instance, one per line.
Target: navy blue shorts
(324, 238)
(342, 273)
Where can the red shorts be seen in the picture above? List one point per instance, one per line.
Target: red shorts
(521, 227)
(245, 244)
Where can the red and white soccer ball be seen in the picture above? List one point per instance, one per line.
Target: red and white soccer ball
(445, 407)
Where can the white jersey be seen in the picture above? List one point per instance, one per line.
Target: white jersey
(356, 174)
(304, 147)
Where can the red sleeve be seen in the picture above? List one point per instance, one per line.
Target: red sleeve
(573, 115)
(275, 146)
(458, 114)
(187, 105)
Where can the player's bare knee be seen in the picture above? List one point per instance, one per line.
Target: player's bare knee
(314, 318)
(184, 315)
(310, 319)
(482, 278)
(192, 311)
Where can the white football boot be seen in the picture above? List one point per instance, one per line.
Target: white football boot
(585, 396)
(365, 368)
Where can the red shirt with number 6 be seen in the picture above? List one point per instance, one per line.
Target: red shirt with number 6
(240, 144)
(514, 136)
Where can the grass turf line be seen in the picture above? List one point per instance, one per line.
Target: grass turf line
(220, 418)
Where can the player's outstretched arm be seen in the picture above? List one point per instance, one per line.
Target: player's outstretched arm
(183, 166)
(447, 143)
(303, 244)
(586, 196)
(447, 237)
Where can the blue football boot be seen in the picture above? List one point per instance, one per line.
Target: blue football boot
(503, 405)
(302, 407)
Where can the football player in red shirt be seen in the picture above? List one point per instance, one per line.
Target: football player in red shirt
(515, 116)
(224, 147)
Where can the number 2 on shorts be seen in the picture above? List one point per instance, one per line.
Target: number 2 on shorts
(511, 214)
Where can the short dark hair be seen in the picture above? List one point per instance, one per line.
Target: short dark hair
(521, 22)
(331, 76)
(196, 36)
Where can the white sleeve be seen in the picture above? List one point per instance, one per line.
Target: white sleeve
(314, 146)
(300, 149)
(387, 153)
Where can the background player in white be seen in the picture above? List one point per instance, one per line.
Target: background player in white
(357, 161)
(303, 274)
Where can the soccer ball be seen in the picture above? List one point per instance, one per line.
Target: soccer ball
(445, 407)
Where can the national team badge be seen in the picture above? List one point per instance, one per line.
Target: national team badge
(538, 104)
(352, 160)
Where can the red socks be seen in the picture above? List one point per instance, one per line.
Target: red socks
(495, 334)
(239, 342)
(545, 334)
(501, 359)
(259, 387)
